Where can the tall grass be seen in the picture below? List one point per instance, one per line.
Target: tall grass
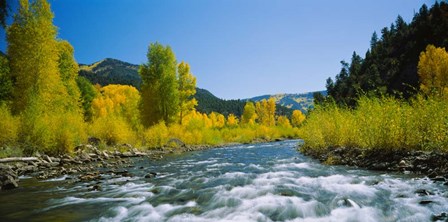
(379, 123)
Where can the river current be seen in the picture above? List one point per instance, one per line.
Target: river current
(262, 182)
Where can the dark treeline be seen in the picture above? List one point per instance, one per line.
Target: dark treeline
(390, 65)
(208, 103)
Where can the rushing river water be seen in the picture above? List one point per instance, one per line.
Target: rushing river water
(264, 182)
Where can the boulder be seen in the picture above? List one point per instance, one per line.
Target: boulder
(151, 175)
(8, 180)
(174, 142)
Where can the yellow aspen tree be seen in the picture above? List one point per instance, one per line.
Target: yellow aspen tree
(283, 121)
(262, 114)
(187, 89)
(270, 106)
(297, 118)
(433, 71)
(218, 120)
(249, 115)
(50, 120)
(118, 100)
(33, 53)
(68, 69)
(232, 120)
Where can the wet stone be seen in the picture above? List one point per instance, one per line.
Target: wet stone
(439, 179)
(151, 175)
(440, 217)
(425, 202)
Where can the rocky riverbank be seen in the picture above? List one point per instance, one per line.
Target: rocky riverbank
(88, 163)
(433, 164)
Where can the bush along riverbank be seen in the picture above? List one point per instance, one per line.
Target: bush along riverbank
(382, 134)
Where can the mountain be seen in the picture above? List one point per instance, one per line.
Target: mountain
(303, 101)
(111, 71)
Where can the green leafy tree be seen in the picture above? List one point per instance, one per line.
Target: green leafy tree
(187, 89)
(68, 69)
(88, 93)
(160, 91)
(33, 55)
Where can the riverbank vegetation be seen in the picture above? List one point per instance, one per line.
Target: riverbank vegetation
(393, 100)
(45, 106)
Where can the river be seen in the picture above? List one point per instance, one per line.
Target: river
(262, 182)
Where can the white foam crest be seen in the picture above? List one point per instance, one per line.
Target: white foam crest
(256, 166)
(146, 212)
(121, 179)
(55, 179)
(262, 207)
(293, 165)
(366, 214)
(233, 175)
(220, 165)
(76, 200)
(338, 184)
(206, 161)
(271, 178)
(248, 192)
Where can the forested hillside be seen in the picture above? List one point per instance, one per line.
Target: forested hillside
(111, 71)
(390, 65)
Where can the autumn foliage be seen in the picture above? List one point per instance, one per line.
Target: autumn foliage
(45, 106)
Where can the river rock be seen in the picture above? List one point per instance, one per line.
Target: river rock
(127, 154)
(439, 179)
(8, 180)
(425, 202)
(443, 217)
(151, 175)
(96, 187)
(423, 192)
(105, 155)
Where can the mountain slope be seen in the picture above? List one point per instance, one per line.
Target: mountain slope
(303, 101)
(111, 71)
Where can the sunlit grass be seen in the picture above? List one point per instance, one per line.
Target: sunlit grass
(379, 123)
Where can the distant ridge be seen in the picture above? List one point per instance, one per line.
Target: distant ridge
(111, 71)
(300, 101)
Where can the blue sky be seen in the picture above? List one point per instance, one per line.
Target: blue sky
(236, 48)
